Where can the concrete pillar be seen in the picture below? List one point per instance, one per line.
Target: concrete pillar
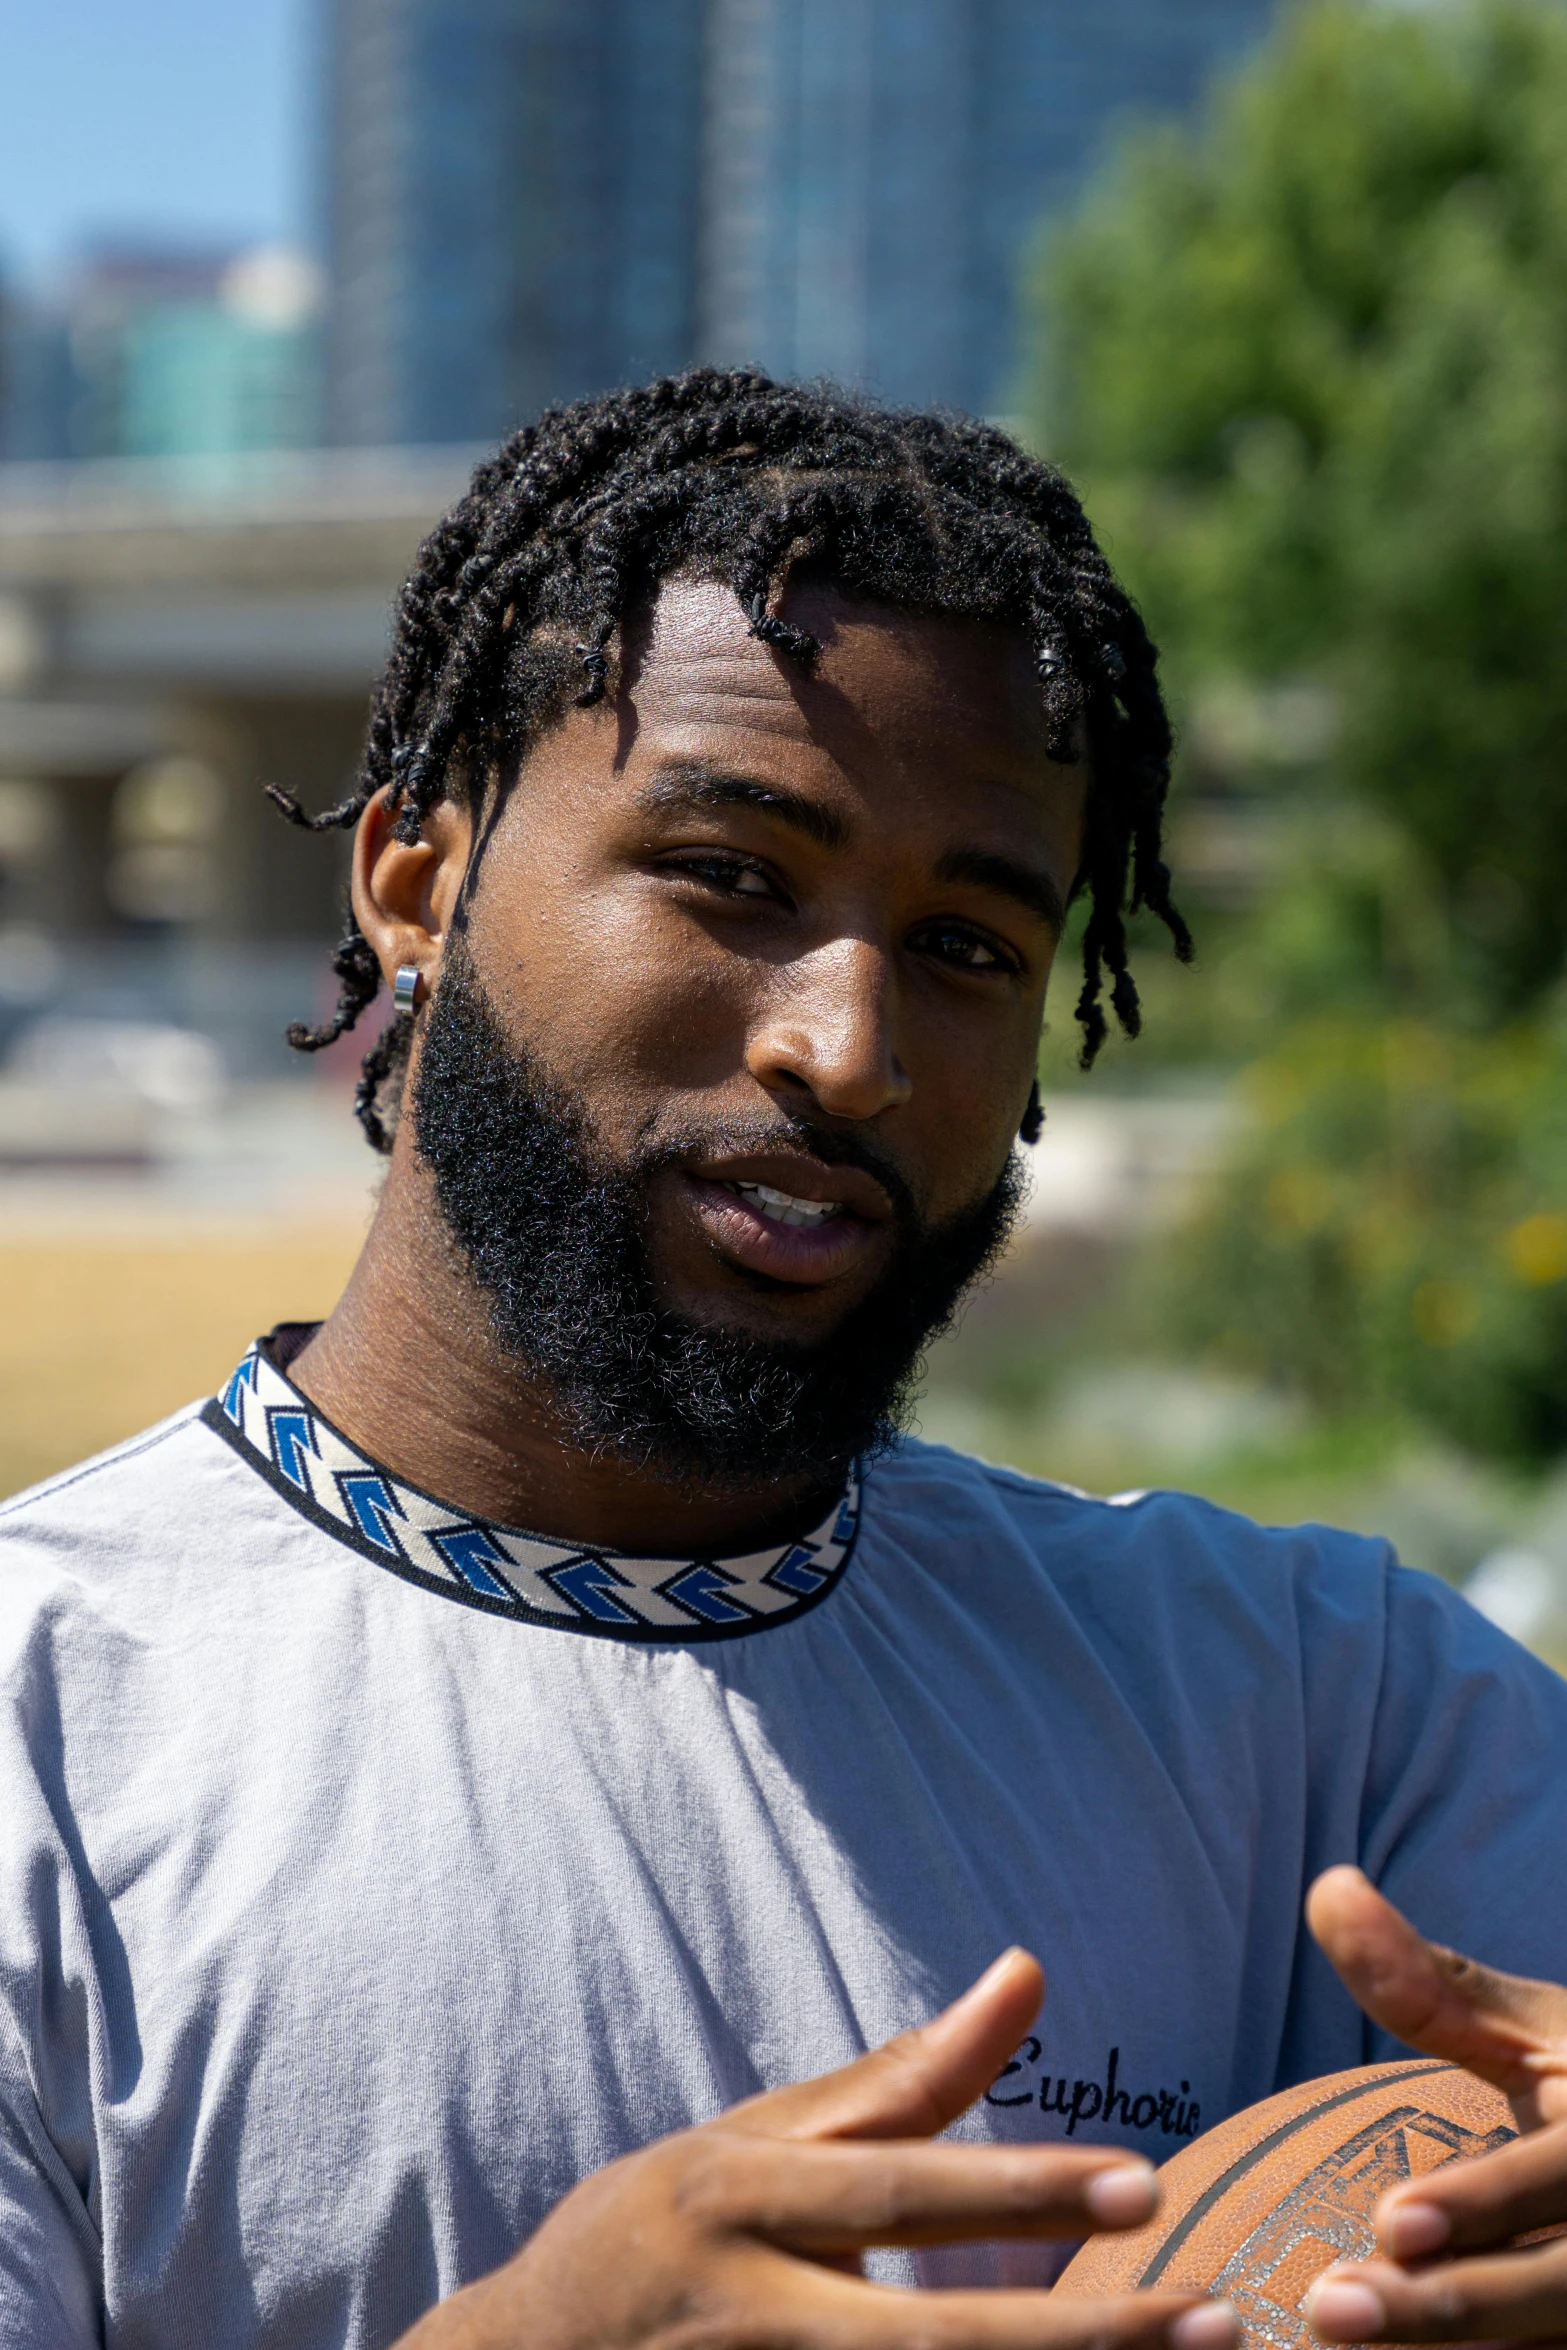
(275, 882)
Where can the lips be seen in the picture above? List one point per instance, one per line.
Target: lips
(795, 1220)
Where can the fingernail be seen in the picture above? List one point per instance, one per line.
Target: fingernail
(1213, 2325)
(1343, 2310)
(997, 1966)
(1123, 2196)
(1408, 2230)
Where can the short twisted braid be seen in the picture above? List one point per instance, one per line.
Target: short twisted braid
(511, 611)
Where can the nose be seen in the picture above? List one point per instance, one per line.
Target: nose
(830, 1032)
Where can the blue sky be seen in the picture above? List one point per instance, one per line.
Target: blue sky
(185, 118)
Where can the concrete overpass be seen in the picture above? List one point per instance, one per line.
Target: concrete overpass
(173, 634)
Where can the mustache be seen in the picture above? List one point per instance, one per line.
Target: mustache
(743, 1137)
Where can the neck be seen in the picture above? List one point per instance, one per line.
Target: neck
(408, 1367)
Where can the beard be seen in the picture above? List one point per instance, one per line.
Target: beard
(555, 1233)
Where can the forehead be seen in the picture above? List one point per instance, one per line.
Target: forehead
(890, 690)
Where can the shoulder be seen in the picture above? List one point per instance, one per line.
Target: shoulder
(1154, 1544)
(111, 1483)
(146, 1503)
(1167, 1587)
(146, 1586)
(93, 1479)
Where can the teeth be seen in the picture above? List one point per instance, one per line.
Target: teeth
(783, 1208)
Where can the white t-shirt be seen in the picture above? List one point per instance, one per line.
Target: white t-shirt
(369, 1874)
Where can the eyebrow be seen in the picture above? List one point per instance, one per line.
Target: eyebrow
(680, 788)
(697, 786)
(1008, 877)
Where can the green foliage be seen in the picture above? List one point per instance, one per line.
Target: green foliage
(1346, 915)
(1393, 1235)
(1310, 361)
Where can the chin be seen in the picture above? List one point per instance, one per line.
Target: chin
(758, 1305)
(768, 1313)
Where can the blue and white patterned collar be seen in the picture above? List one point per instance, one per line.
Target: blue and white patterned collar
(568, 1587)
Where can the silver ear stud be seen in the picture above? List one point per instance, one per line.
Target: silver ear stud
(405, 990)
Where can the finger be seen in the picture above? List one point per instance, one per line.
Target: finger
(835, 2197)
(1489, 2200)
(1509, 2030)
(829, 2312)
(914, 2085)
(1509, 2297)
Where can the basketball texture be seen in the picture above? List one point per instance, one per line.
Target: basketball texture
(1257, 2208)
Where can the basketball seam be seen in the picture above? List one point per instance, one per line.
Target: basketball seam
(1254, 2154)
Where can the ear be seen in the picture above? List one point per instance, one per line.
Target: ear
(404, 897)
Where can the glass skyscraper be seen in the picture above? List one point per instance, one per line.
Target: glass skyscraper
(512, 206)
(875, 169)
(536, 198)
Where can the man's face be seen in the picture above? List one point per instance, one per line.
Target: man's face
(718, 1087)
(762, 923)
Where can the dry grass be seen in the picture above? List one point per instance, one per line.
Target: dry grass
(99, 1336)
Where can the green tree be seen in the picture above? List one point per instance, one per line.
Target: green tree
(1309, 360)
(1391, 1236)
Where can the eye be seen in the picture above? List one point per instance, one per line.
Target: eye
(735, 877)
(963, 949)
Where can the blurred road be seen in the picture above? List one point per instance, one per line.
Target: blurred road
(133, 1280)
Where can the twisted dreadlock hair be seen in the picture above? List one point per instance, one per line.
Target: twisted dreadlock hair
(509, 615)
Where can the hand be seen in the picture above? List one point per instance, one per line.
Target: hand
(747, 2232)
(1428, 2286)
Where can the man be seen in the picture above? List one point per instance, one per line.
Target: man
(545, 1707)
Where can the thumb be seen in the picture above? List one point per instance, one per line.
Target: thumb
(1508, 2029)
(914, 2085)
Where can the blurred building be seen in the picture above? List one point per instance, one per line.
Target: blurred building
(532, 199)
(174, 634)
(233, 372)
(529, 199)
(148, 351)
(877, 168)
(35, 378)
(512, 208)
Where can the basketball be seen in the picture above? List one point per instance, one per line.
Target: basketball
(1261, 2205)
